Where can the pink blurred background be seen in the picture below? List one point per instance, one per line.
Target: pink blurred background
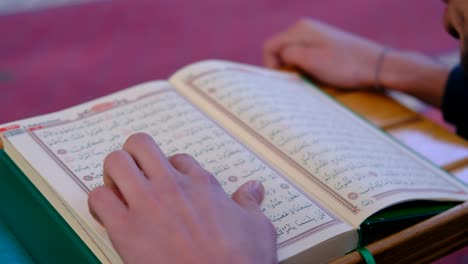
(52, 57)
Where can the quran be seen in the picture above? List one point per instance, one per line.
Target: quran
(325, 170)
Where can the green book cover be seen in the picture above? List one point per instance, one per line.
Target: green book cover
(11, 251)
(398, 217)
(35, 229)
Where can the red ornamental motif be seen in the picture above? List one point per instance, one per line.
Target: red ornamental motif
(353, 195)
(284, 186)
(232, 178)
(102, 107)
(35, 128)
(11, 127)
(88, 178)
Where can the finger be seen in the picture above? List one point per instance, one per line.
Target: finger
(297, 55)
(108, 182)
(105, 207)
(249, 196)
(187, 165)
(125, 174)
(184, 163)
(272, 49)
(151, 160)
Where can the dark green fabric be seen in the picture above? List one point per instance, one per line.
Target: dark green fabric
(34, 222)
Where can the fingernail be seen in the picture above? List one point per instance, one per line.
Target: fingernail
(256, 188)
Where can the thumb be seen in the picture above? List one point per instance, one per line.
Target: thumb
(249, 196)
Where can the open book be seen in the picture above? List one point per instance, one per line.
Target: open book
(324, 169)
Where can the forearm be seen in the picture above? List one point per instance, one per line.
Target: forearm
(414, 74)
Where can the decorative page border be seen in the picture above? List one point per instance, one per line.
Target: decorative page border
(31, 131)
(336, 196)
(98, 109)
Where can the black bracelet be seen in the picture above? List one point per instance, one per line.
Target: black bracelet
(378, 69)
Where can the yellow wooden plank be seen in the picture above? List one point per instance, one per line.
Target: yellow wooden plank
(334, 92)
(378, 108)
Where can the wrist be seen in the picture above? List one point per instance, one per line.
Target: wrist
(414, 73)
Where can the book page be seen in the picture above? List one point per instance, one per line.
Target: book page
(355, 168)
(69, 152)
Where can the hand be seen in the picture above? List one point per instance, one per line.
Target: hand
(173, 211)
(328, 54)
